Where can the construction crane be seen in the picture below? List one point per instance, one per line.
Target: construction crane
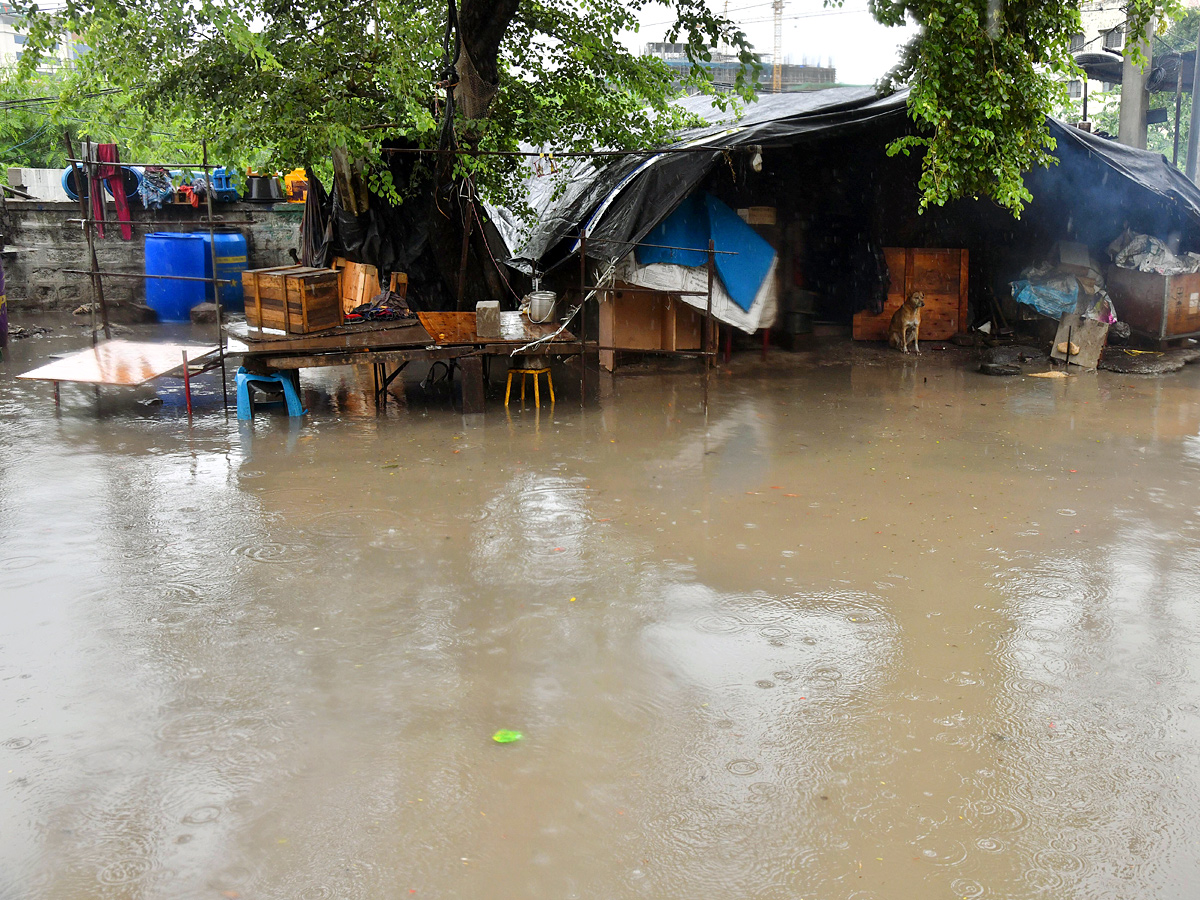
(777, 74)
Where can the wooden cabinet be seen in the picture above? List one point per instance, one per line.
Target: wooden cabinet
(645, 320)
(940, 274)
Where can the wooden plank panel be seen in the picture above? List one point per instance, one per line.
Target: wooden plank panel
(941, 274)
(935, 271)
(637, 323)
(689, 328)
(607, 325)
(1183, 304)
(120, 362)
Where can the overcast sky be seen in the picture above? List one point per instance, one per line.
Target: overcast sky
(861, 49)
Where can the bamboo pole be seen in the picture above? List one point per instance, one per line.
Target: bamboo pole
(82, 178)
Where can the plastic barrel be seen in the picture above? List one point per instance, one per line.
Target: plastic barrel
(131, 177)
(68, 182)
(170, 253)
(231, 263)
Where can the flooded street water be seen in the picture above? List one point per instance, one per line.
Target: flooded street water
(874, 629)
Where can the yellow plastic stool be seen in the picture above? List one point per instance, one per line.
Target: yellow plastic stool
(524, 373)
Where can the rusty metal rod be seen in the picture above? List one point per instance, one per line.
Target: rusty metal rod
(82, 183)
(566, 154)
(642, 290)
(156, 165)
(653, 352)
(582, 316)
(663, 246)
(187, 385)
(710, 262)
(199, 223)
(212, 247)
(142, 275)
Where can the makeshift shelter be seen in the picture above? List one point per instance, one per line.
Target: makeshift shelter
(832, 199)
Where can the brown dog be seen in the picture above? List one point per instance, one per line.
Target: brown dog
(906, 323)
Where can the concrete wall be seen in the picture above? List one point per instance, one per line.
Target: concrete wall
(43, 243)
(44, 184)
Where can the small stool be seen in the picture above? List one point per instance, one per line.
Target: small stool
(246, 381)
(525, 373)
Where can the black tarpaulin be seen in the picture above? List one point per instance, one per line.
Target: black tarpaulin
(620, 201)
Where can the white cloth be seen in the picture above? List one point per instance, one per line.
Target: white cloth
(671, 278)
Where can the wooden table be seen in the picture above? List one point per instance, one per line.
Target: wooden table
(449, 337)
(128, 363)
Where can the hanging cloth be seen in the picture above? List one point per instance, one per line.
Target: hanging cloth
(114, 175)
(95, 187)
(156, 187)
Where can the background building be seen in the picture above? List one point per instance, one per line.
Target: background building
(12, 43)
(803, 76)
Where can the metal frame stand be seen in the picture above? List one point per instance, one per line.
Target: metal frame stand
(84, 168)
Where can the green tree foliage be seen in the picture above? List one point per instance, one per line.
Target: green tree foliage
(984, 75)
(38, 109)
(292, 79)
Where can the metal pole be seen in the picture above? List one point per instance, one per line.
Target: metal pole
(1178, 111)
(582, 313)
(708, 326)
(466, 246)
(187, 385)
(1193, 130)
(212, 246)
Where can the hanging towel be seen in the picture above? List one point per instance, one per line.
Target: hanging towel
(115, 177)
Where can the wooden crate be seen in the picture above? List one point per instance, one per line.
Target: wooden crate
(358, 283)
(296, 299)
(1160, 307)
(941, 275)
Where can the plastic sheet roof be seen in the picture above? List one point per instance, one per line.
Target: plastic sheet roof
(620, 199)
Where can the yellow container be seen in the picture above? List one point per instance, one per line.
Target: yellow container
(295, 184)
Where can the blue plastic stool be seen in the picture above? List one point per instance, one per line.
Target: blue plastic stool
(245, 409)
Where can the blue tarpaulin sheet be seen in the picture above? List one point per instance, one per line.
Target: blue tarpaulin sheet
(742, 267)
(1049, 301)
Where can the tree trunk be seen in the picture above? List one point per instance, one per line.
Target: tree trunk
(482, 25)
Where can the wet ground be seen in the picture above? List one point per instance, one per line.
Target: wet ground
(876, 628)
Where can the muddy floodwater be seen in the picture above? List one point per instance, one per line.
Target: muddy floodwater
(874, 628)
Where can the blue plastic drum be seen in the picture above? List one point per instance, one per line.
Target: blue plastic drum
(186, 255)
(231, 263)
